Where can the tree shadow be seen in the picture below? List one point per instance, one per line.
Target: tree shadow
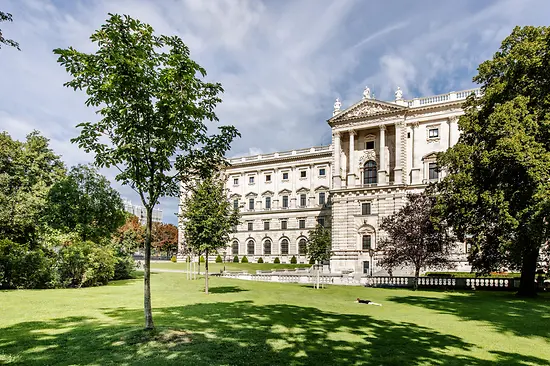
(225, 289)
(238, 333)
(503, 310)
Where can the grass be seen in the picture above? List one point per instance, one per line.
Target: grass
(254, 323)
(229, 266)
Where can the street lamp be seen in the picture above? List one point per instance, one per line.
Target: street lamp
(371, 254)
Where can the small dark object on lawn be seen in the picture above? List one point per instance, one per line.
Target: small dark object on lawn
(368, 302)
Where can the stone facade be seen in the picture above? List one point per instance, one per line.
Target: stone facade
(380, 151)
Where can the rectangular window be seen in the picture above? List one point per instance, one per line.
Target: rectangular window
(268, 177)
(283, 225)
(266, 225)
(235, 204)
(321, 198)
(303, 174)
(268, 203)
(303, 199)
(433, 133)
(321, 221)
(251, 204)
(434, 172)
(322, 172)
(369, 145)
(366, 268)
(250, 226)
(285, 176)
(285, 201)
(251, 180)
(366, 242)
(302, 224)
(365, 208)
(236, 181)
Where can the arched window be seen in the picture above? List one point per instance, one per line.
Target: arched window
(284, 246)
(267, 247)
(302, 246)
(250, 247)
(370, 172)
(235, 248)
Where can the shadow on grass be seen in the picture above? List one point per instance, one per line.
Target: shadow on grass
(503, 310)
(238, 333)
(225, 289)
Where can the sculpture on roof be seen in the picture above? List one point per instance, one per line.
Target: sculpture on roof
(398, 94)
(337, 106)
(366, 93)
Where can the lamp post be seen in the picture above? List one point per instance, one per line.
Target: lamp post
(371, 254)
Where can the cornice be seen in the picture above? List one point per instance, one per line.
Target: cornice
(327, 153)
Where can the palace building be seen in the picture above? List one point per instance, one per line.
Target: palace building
(380, 151)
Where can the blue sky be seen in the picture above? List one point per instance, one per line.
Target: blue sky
(281, 63)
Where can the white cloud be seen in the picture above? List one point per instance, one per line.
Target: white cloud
(281, 63)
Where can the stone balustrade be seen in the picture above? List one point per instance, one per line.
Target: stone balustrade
(443, 98)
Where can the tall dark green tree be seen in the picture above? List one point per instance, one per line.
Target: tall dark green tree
(86, 203)
(27, 171)
(497, 191)
(7, 17)
(153, 105)
(208, 218)
(319, 244)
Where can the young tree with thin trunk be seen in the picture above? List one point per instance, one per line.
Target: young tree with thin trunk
(415, 238)
(209, 218)
(497, 188)
(318, 246)
(153, 105)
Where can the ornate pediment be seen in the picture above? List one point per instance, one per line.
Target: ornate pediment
(322, 188)
(251, 195)
(267, 193)
(302, 190)
(235, 196)
(366, 108)
(285, 191)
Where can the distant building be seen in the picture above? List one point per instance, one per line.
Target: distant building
(141, 213)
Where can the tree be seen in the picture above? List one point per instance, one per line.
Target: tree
(318, 246)
(415, 237)
(27, 171)
(497, 187)
(86, 203)
(165, 237)
(130, 236)
(7, 17)
(153, 106)
(209, 218)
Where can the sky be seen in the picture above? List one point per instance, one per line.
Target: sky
(282, 63)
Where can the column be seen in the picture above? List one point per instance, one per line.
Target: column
(398, 171)
(351, 170)
(275, 180)
(381, 153)
(337, 178)
(293, 177)
(312, 178)
(452, 123)
(416, 177)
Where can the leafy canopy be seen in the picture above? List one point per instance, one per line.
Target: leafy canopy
(319, 244)
(7, 17)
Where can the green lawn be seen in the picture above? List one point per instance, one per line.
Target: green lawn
(252, 323)
(230, 266)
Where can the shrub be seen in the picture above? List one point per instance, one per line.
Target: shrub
(311, 261)
(236, 259)
(201, 259)
(219, 259)
(277, 260)
(293, 260)
(260, 260)
(244, 259)
(124, 267)
(174, 259)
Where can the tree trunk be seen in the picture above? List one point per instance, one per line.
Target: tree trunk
(527, 286)
(206, 272)
(199, 267)
(416, 275)
(147, 273)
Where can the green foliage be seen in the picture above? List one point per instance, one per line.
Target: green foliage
(311, 260)
(21, 267)
(260, 260)
(84, 202)
(236, 259)
(174, 259)
(497, 191)
(129, 237)
(244, 259)
(277, 260)
(7, 17)
(293, 260)
(124, 267)
(219, 259)
(201, 259)
(27, 171)
(319, 244)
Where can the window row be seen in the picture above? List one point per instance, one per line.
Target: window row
(322, 172)
(268, 247)
(284, 224)
(321, 199)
